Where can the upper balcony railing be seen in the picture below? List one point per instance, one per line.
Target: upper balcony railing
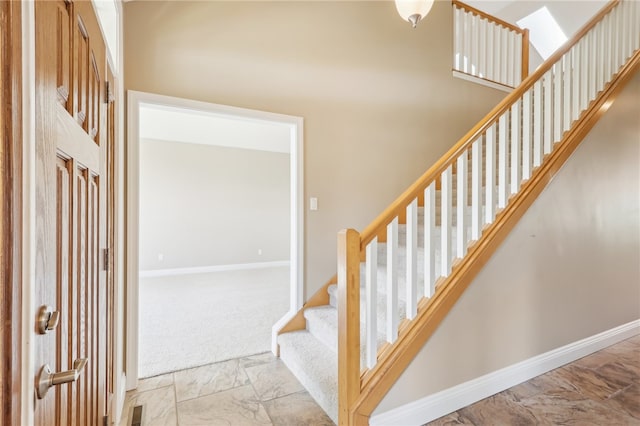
(489, 48)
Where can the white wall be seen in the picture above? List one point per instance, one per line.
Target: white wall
(569, 269)
(203, 205)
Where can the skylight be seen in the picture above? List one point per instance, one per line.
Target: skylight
(544, 32)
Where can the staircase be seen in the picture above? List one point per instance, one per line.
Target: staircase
(398, 279)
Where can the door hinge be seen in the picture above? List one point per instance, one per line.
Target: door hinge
(105, 260)
(109, 96)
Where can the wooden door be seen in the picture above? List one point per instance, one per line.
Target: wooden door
(71, 206)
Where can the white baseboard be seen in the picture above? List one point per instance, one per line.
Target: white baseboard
(276, 329)
(442, 403)
(482, 81)
(213, 268)
(121, 393)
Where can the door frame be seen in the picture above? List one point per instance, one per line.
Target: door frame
(11, 159)
(134, 101)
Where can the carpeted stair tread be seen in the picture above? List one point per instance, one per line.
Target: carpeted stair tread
(314, 366)
(322, 323)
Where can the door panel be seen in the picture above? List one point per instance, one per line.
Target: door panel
(72, 207)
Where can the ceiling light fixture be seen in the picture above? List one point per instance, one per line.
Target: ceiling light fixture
(413, 10)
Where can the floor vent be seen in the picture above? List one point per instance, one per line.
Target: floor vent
(136, 418)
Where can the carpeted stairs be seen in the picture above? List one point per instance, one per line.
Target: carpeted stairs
(311, 354)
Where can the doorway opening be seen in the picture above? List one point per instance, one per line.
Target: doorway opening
(215, 231)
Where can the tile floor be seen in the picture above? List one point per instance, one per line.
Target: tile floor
(600, 389)
(256, 390)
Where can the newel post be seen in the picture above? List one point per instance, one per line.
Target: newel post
(348, 322)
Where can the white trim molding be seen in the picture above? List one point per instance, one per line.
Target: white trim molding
(482, 81)
(442, 403)
(212, 268)
(296, 262)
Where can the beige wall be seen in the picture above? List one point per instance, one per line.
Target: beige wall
(569, 269)
(378, 99)
(203, 205)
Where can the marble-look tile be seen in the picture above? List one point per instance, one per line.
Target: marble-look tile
(498, 409)
(237, 406)
(595, 360)
(252, 361)
(619, 373)
(452, 419)
(208, 379)
(155, 382)
(548, 382)
(568, 407)
(627, 401)
(298, 409)
(273, 380)
(589, 382)
(158, 407)
(635, 340)
(625, 351)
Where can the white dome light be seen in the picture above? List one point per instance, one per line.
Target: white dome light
(413, 10)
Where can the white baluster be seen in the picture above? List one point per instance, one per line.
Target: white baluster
(634, 17)
(515, 147)
(608, 47)
(482, 41)
(584, 74)
(412, 260)
(490, 174)
(538, 124)
(593, 67)
(548, 109)
(504, 57)
(466, 66)
(461, 234)
(575, 81)
(371, 319)
(491, 47)
(619, 35)
(526, 135)
(602, 78)
(392, 279)
(429, 235)
(445, 221)
(497, 54)
(476, 189)
(457, 54)
(473, 45)
(557, 101)
(625, 31)
(566, 101)
(502, 161)
(513, 57)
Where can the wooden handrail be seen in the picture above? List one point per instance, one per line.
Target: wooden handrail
(379, 224)
(488, 17)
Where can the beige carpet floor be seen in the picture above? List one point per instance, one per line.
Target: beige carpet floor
(192, 320)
